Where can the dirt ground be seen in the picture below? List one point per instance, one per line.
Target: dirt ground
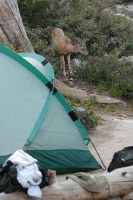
(114, 134)
(116, 129)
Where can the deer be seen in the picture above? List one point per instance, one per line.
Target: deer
(66, 47)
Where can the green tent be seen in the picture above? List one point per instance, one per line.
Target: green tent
(36, 118)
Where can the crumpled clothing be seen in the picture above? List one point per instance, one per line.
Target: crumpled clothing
(21, 171)
(90, 182)
(30, 177)
(8, 178)
(21, 158)
(34, 191)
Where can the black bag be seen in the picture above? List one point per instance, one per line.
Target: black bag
(123, 158)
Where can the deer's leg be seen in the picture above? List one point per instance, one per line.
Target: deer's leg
(69, 64)
(62, 65)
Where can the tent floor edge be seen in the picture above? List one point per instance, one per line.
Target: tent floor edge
(66, 160)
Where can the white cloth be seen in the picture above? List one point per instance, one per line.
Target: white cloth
(21, 158)
(28, 174)
(34, 191)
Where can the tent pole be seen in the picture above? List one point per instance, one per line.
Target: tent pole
(98, 155)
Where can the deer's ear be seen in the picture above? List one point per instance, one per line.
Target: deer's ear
(84, 41)
(73, 42)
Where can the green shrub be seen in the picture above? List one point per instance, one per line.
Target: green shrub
(115, 91)
(88, 117)
(110, 38)
(109, 73)
(101, 87)
(93, 118)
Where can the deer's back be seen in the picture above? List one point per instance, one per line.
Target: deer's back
(57, 34)
(60, 40)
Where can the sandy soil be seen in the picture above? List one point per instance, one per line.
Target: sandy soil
(116, 130)
(114, 134)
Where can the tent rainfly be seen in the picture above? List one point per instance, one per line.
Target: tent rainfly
(36, 118)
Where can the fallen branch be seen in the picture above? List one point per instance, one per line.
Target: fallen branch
(120, 183)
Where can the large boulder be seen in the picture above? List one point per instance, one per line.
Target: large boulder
(127, 10)
(123, 10)
(128, 59)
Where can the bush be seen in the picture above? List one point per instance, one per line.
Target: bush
(110, 38)
(85, 112)
(109, 72)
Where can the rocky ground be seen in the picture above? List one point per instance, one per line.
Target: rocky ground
(115, 131)
(84, 91)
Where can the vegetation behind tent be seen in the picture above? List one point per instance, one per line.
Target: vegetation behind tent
(110, 38)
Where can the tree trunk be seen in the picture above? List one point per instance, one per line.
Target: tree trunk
(120, 183)
(12, 31)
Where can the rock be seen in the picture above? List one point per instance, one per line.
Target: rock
(82, 95)
(123, 15)
(71, 83)
(123, 10)
(129, 58)
(71, 79)
(105, 99)
(71, 92)
(83, 115)
(76, 62)
(126, 10)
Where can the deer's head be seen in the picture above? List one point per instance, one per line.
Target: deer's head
(81, 48)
